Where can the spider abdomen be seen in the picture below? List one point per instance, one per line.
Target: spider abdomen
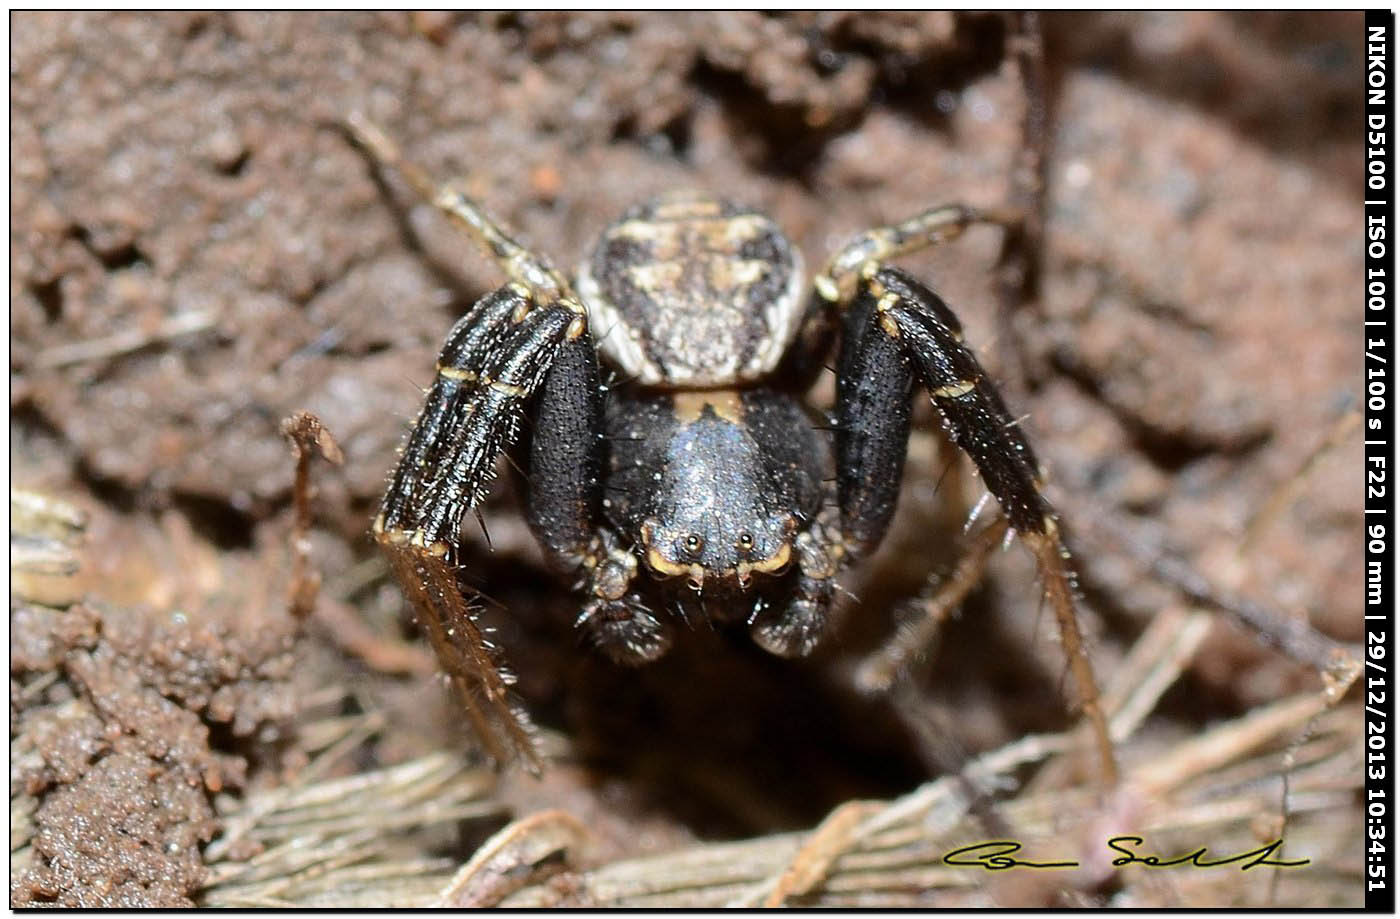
(690, 290)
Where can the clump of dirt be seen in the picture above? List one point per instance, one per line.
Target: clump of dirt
(125, 722)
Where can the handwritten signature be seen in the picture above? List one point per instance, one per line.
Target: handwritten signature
(999, 855)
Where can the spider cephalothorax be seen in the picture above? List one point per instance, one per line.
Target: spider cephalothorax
(703, 486)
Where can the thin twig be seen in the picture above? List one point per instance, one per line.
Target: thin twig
(81, 352)
(309, 438)
(1109, 532)
(349, 631)
(1287, 491)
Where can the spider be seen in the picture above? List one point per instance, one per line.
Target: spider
(702, 488)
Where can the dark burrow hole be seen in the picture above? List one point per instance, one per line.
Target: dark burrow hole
(731, 741)
(717, 734)
(728, 739)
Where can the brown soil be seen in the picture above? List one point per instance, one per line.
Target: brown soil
(197, 252)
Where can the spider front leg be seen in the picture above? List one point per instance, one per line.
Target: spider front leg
(525, 346)
(898, 332)
(493, 362)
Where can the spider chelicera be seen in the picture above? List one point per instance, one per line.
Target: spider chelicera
(703, 486)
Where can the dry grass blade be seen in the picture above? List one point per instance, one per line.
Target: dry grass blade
(348, 733)
(126, 342)
(1177, 801)
(46, 535)
(1155, 662)
(1222, 787)
(354, 841)
(536, 847)
(813, 861)
(1224, 745)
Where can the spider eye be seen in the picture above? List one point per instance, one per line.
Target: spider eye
(693, 543)
(745, 541)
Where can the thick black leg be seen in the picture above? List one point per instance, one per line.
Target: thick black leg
(486, 375)
(874, 401)
(899, 332)
(565, 493)
(494, 360)
(565, 510)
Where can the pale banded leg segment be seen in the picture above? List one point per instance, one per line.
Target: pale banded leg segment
(517, 261)
(865, 253)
